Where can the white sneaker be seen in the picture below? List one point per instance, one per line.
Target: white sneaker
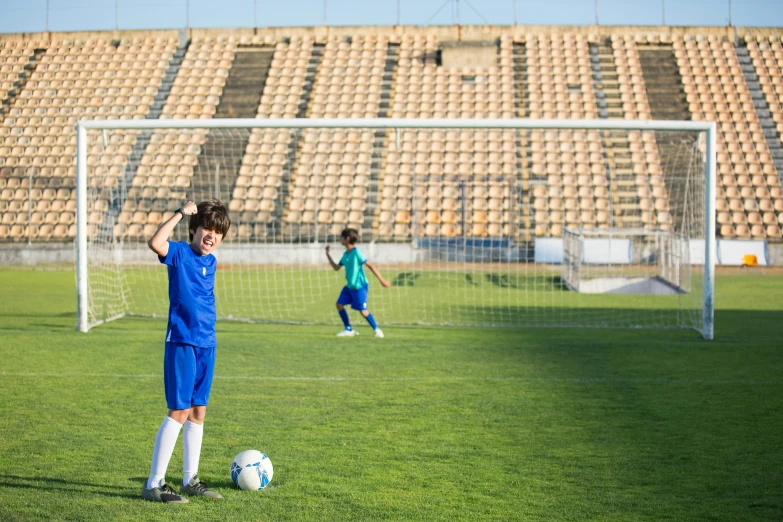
(348, 333)
(378, 333)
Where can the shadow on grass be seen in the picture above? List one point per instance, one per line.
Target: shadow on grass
(39, 315)
(222, 483)
(33, 321)
(520, 282)
(53, 326)
(730, 325)
(686, 427)
(227, 484)
(405, 279)
(212, 483)
(66, 486)
(27, 323)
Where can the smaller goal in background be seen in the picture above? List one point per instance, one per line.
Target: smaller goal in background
(626, 261)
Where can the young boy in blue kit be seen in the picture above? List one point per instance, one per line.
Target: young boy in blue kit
(355, 291)
(189, 357)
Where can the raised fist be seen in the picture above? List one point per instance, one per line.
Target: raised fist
(190, 208)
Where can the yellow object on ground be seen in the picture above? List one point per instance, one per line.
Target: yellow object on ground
(750, 260)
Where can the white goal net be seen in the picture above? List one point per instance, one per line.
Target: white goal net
(626, 261)
(474, 222)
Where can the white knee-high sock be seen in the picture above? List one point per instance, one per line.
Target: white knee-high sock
(191, 444)
(165, 441)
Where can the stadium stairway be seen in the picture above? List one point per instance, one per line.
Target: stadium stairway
(240, 99)
(18, 85)
(380, 138)
(607, 86)
(316, 58)
(245, 83)
(664, 84)
(529, 226)
(771, 133)
(667, 100)
(168, 80)
(290, 230)
(624, 200)
(525, 228)
(142, 140)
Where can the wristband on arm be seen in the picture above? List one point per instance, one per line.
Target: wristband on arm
(181, 213)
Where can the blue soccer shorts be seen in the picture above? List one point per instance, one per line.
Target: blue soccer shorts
(356, 298)
(187, 375)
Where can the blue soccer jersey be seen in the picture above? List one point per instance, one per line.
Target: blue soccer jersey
(191, 296)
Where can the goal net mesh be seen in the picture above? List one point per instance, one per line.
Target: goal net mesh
(467, 224)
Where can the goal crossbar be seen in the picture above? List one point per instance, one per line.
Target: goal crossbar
(709, 128)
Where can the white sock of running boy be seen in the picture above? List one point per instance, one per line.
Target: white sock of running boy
(191, 443)
(165, 441)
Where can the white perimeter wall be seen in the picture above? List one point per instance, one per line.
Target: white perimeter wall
(548, 250)
(729, 251)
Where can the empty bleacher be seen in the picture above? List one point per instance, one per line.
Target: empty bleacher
(265, 176)
(762, 67)
(717, 91)
(332, 173)
(72, 80)
(282, 184)
(17, 61)
(165, 176)
(454, 166)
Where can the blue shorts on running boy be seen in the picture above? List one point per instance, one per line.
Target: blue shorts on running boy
(356, 298)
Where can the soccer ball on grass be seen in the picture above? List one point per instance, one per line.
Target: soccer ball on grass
(251, 469)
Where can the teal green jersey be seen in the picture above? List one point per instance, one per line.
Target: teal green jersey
(353, 260)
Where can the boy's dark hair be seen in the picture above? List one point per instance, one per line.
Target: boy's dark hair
(212, 215)
(352, 234)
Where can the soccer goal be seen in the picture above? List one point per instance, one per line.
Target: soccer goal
(518, 223)
(626, 261)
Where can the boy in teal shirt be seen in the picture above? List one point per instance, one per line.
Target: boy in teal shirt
(355, 291)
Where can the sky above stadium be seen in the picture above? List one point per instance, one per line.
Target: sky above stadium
(78, 15)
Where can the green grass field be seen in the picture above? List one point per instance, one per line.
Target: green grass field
(427, 424)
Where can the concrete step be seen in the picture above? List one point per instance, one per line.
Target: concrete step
(664, 85)
(240, 99)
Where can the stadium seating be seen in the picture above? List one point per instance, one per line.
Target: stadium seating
(15, 61)
(74, 80)
(417, 183)
(716, 91)
(767, 58)
(332, 173)
(651, 192)
(166, 168)
(266, 161)
(630, 77)
(470, 165)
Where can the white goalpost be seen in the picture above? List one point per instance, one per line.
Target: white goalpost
(476, 222)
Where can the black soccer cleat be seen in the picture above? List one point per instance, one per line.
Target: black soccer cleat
(197, 488)
(162, 494)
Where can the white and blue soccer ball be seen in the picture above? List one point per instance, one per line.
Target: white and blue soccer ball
(251, 469)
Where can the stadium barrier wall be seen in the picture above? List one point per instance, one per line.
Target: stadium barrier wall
(731, 251)
(37, 254)
(547, 251)
(285, 254)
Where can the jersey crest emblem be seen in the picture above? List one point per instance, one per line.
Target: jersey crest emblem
(204, 270)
